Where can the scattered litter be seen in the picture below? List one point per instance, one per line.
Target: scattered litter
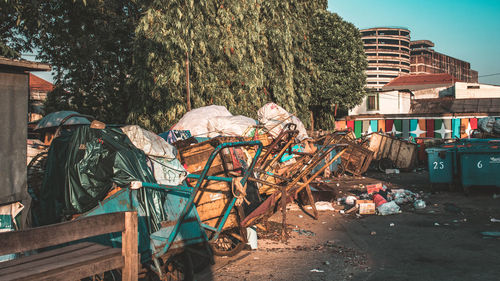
(494, 220)
(351, 210)
(324, 206)
(419, 204)
(392, 171)
(304, 232)
(317, 270)
(373, 233)
(372, 188)
(436, 224)
(391, 224)
(388, 208)
(379, 200)
(350, 200)
(323, 222)
(255, 258)
(327, 262)
(342, 211)
(491, 233)
(366, 207)
(301, 216)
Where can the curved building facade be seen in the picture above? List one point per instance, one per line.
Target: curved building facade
(388, 54)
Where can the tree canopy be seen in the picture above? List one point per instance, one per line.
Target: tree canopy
(338, 53)
(125, 61)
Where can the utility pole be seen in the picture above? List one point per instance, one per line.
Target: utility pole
(188, 96)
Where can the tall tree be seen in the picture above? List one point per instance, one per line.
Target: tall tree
(222, 40)
(89, 44)
(242, 54)
(338, 53)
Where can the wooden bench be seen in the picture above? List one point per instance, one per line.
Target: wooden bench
(75, 261)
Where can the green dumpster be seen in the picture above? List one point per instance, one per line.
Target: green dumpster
(479, 165)
(441, 164)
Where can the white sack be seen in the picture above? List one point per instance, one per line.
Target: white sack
(149, 142)
(229, 125)
(196, 120)
(275, 117)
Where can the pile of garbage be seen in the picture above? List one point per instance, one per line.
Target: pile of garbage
(378, 199)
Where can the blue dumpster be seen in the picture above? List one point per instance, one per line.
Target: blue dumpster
(479, 165)
(441, 164)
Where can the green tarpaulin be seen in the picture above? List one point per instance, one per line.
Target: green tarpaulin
(82, 166)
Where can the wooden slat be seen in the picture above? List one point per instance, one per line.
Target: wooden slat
(70, 267)
(46, 254)
(130, 270)
(50, 235)
(66, 255)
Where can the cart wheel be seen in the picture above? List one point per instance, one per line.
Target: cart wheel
(230, 242)
(36, 172)
(384, 164)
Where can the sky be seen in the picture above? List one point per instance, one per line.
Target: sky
(464, 29)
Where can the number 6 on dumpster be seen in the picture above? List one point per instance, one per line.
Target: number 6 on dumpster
(479, 165)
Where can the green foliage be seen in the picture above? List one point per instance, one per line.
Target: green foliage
(10, 45)
(125, 61)
(89, 44)
(242, 54)
(338, 53)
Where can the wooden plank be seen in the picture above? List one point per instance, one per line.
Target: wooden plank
(130, 247)
(94, 248)
(87, 270)
(212, 190)
(73, 267)
(41, 237)
(47, 254)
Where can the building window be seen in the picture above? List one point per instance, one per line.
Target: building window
(372, 102)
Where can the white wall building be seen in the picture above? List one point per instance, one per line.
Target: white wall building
(464, 90)
(390, 102)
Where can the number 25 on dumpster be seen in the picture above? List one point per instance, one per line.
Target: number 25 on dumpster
(438, 165)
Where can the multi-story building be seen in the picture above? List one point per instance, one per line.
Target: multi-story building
(424, 60)
(388, 54)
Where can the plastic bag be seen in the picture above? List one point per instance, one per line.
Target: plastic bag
(168, 171)
(149, 142)
(8, 214)
(196, 120)
(229, 125)
(389, 208)
(486, 124)
(274, 118)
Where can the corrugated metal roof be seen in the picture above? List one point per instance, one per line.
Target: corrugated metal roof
(421, 81)
(23, 65)
(39, 84)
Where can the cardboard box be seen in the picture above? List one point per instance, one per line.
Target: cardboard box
(366, 207)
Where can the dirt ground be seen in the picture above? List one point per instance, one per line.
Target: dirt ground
(441, 242)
